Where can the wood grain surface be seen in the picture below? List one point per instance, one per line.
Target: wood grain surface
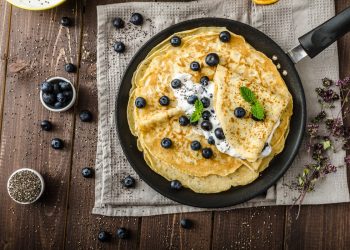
(33, 46)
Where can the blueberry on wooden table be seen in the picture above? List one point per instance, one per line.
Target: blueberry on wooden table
(87, 172)
(119, 47)
(118, 23)
(104, 236)
(46, 125)
(175, 184)
(164, 101)
(195, 145)
(195, 66)
(176, 83)
(225, 36)
(46, 87)
(186, 223)
(166, 143)
(70, 68)
(175, 41)
(207, 153)
(66, 21)
(57, 143)
(204, 80)
(128, 181)
(122, 233)
(140, 102)
(136, 19)
(212, 59)
(183, 120)
(85, 116)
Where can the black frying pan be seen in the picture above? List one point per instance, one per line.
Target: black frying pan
(310, 44)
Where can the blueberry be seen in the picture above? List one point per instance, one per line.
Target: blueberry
(56, 88)
(183, 120)
(166, 143)
(175, 184)
(195, 66)
(205, 101)
(140, 102)
(85, 116)
(65, 21)
(186, 223)
(164, 100)
(212, 59)
(207, 153)
(175, 41)
(46, 87)
(206, 125)
(87, 172)
(196, 145)
(57, 143)
(60, 97)
(136, 18)
(70, 68)
(68, 94)
(204, 80)
(211, 140)
(104, 236)
(49, 98)
(176, 83)
(58, 105)
(206, 115)
(118, 23)
(119, 47)
(128, 182)
(239, 112)
(225, 36)
(219, 133)
(64, 86)
(122, 233)
(192, 99)
(46, 125)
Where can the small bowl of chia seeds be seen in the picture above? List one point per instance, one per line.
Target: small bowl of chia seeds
(57, 94)
(25, 186)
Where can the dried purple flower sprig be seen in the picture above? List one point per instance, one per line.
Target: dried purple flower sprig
(324, 134)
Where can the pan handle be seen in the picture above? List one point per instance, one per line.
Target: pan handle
(324, 35)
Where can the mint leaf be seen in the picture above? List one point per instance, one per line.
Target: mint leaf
(247, 95)
(197, 114)
(258, 111)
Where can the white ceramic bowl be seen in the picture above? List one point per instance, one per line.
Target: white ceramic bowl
(66, 107)
(37, 174)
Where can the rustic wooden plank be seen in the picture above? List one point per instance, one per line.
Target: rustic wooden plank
(323, 226)
(249, 228)
(37, 39)
(165, 232)
(82, 226)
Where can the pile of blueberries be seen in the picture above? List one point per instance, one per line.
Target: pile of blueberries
(57, 94)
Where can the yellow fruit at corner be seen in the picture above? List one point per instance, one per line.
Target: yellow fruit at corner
(265, 1)
(36, 4)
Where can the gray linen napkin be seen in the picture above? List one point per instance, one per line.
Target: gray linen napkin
(284, 22)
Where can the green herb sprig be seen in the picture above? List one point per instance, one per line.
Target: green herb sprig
(197, 114)
(257, 108)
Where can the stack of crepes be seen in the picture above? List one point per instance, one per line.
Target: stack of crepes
(240, 65)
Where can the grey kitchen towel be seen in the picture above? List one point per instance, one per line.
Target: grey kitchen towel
(284, 22)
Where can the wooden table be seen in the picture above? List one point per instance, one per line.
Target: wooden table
(35, 42)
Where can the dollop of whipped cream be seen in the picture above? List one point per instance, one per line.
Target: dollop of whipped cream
(189, 88)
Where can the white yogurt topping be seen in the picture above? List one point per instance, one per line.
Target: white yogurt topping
(189, 88)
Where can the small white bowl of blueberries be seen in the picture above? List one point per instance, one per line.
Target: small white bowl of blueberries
(57, 94)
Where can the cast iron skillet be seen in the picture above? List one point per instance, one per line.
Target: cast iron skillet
(312, 43)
